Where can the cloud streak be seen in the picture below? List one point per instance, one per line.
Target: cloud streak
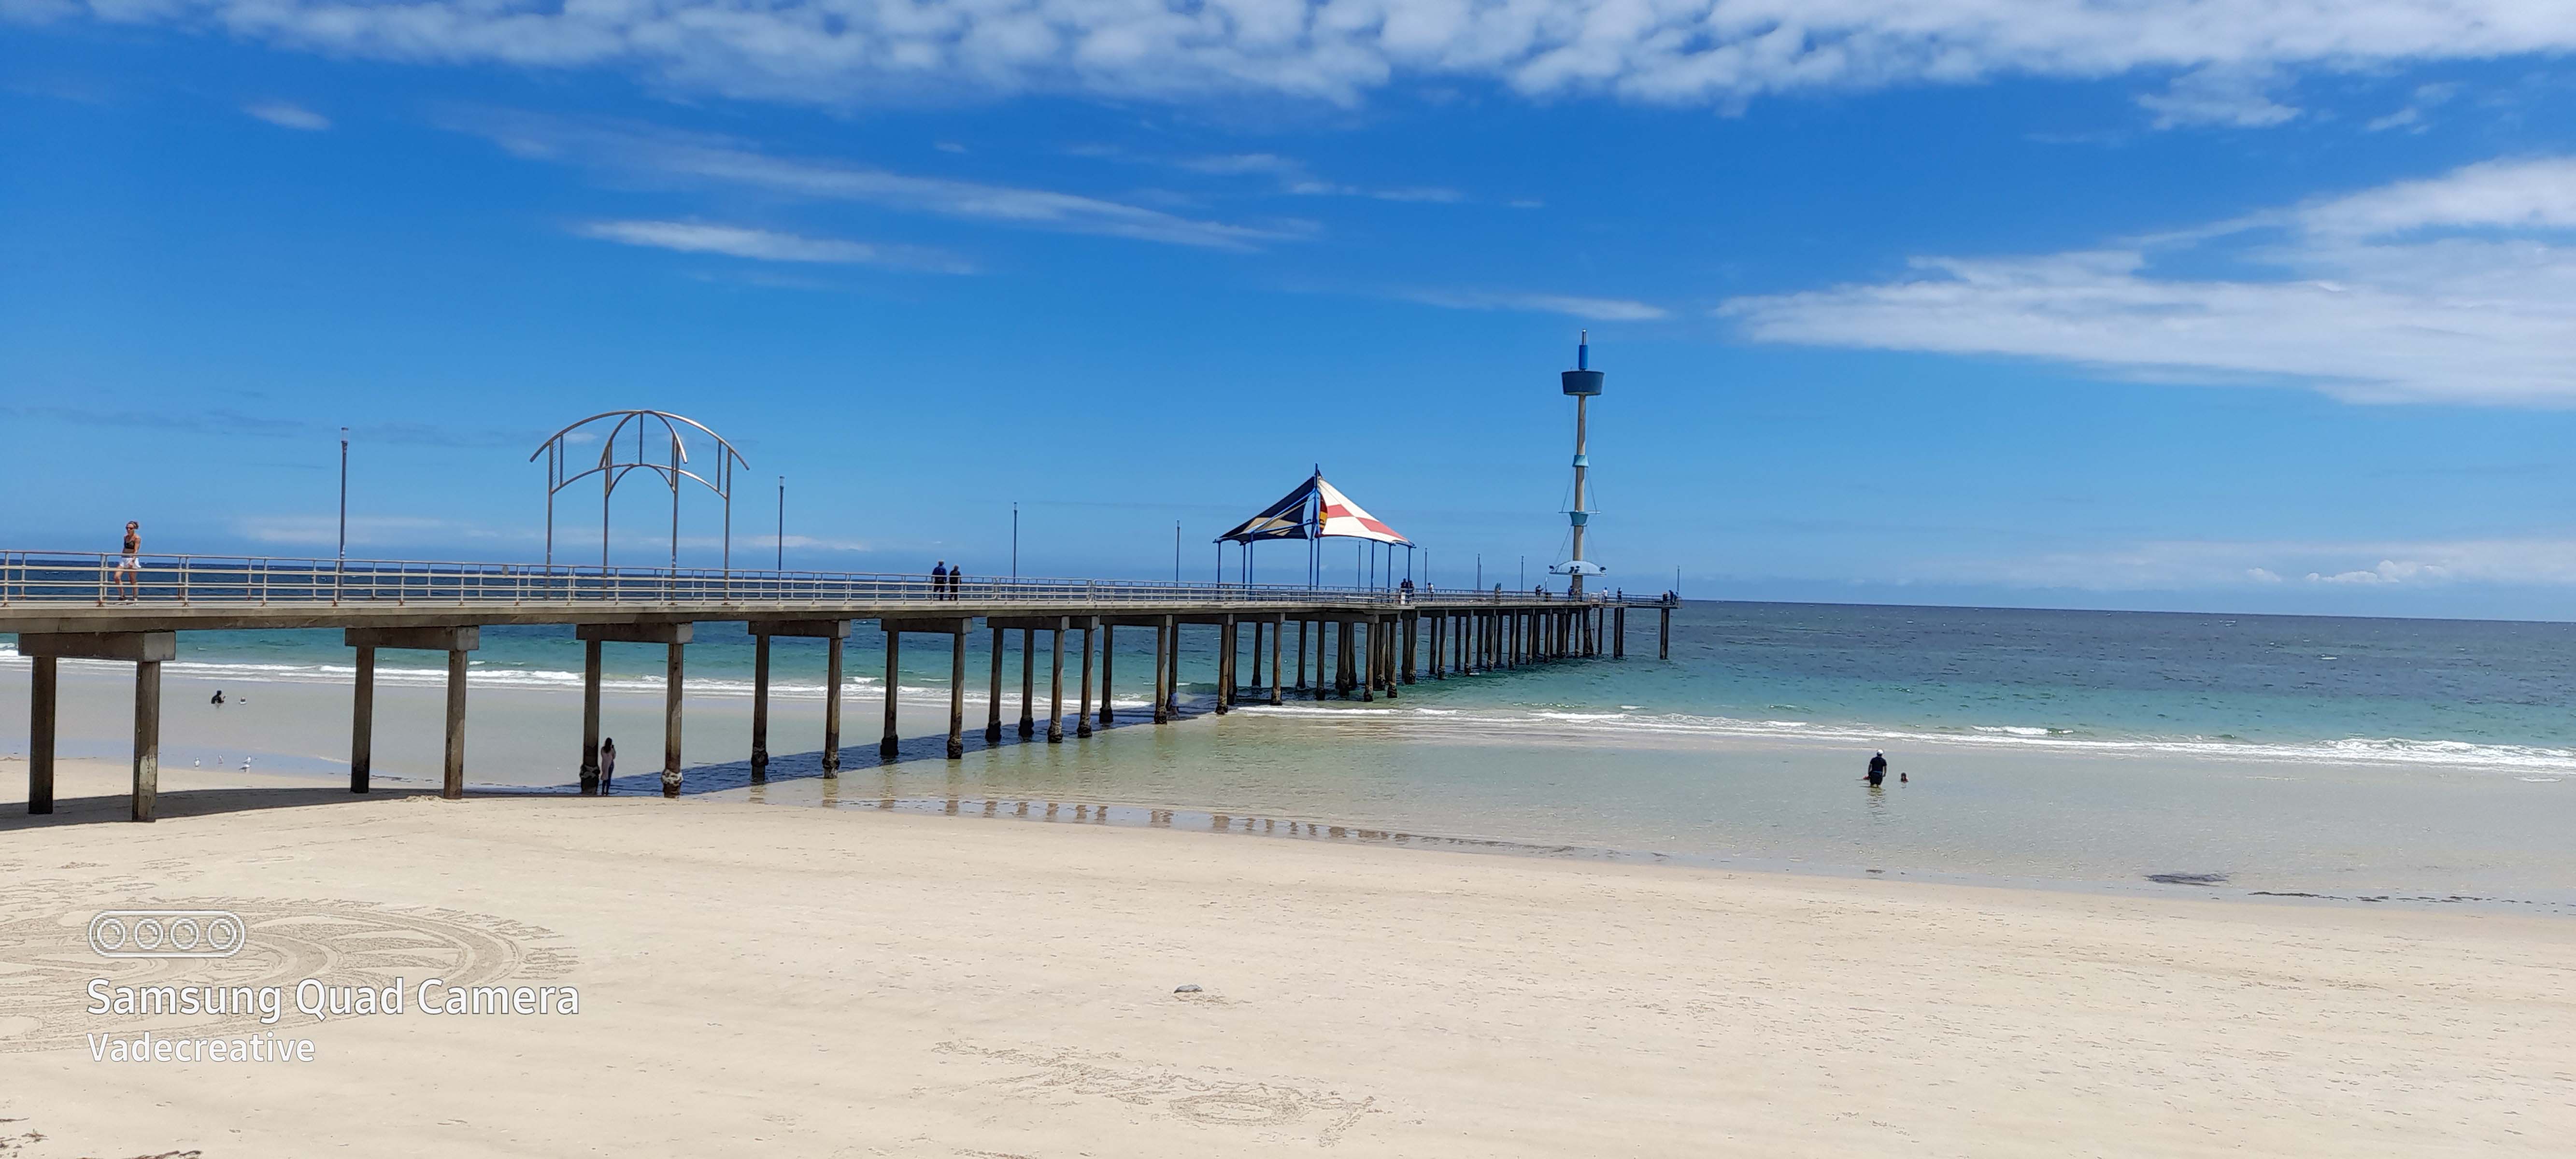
(767, 246)
(2175, 565)
(1709, 52)
(1571, 305)
(287, 116)
(2448, 289)
(699, 159)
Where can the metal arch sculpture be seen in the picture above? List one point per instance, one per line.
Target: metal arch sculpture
(612, 470)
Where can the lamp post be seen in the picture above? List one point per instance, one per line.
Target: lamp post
(344, 494)
(782, 523)
(1015, 541)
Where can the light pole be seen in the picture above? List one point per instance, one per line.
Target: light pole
(1015, 541)
(782, 523)
(1176, 551)
(344, 494)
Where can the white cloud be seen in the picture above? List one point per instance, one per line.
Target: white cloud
(1590, 309)
(2219, 95)
(2460, 288)
(1715, 52)
(709, 160)
(767, 246)
(288, 116)
(2182, 565)
(1294, 178)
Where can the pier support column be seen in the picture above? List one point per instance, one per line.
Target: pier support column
(1278, 628)
(674, 637)
(147, 651)
(1028, 682)
(832, 657)
(1619, 632)
(362, 724)
(1055, 685)
(1108, 650)
(1225, 656)
(1172, 679)
(1082, 717)
(1389, 672)
(41, 714)
(456, 642)
(1301, 654)
(759, 707)
(147, 736)
(889, 744)
(993, 703)
(1368, 666)
(1320, 641)
(451, 767)
(1664, 635)
(957, 694)
(671, 683)
(833, 635)
(1412, 627)
(1162, 670)
(1260, 628)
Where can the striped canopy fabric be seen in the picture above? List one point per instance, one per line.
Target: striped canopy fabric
(1285, 519)
(1345, 519)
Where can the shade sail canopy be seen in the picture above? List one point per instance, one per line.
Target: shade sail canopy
(1345, 519)
(1285, 519)
(1333, 515)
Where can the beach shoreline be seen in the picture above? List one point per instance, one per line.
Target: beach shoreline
(853, 981)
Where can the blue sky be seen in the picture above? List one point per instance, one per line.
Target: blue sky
(2261, 306)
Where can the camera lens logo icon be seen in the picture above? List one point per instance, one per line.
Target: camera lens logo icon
(166, 933)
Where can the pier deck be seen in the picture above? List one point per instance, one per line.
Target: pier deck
(90, 607)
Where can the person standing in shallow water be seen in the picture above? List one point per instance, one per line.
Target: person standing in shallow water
(1877, 770)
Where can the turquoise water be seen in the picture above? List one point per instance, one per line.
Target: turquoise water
(2341, 757)
(2463, 693)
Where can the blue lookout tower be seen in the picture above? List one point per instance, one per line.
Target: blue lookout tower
(1584, 383)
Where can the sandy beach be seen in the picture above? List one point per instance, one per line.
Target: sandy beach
(845, 982)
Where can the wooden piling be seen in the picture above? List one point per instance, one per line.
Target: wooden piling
(1257, 633)
(1224, 665)
(1082, 718)
(1055, 685)
(1028, 682)
(1162, 670)
(1412, 628)
(362, 724)
(452, 779)
(673, 671)
(832, 657)
(42, 693)
(759, 707)
(1664, 634)
(889, 744)
(1108, 650)
(1619, 632)
(147, 736)
(1368, 665)
(993, 704)
(957, 692)
(1301, 654)
(1278, 628)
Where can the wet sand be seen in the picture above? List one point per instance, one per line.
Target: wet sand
(850, 982)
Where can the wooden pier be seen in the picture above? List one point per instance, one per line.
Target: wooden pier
(62, 606)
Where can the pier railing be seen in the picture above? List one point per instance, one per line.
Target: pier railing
(43, 578)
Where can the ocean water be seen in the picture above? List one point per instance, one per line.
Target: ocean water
(2348, 758)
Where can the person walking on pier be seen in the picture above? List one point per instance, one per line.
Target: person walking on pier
(939, 580)
(129, 564)
(956, 580)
